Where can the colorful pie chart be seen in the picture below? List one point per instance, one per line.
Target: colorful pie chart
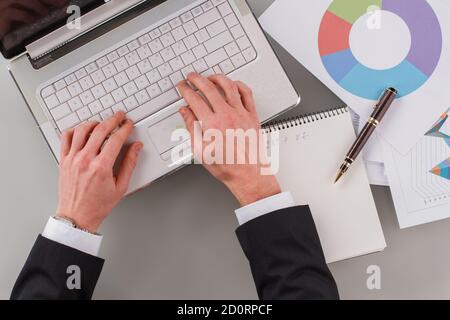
(366, 82)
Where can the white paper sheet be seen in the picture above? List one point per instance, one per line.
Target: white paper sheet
(296, 25)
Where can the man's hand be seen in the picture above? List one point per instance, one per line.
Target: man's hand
(226, 104)
(88, 189)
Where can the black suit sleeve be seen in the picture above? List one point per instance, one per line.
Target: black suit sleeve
(45, 276)
(286, 257)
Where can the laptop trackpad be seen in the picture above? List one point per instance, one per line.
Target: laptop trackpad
(161, 133)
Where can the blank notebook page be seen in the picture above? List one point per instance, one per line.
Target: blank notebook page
(311, 152)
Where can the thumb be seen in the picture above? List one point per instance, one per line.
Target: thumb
(128, 165)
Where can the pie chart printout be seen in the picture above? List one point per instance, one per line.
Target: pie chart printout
(369, 45)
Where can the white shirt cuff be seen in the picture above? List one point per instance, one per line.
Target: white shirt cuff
(64, 234)
(265, 206)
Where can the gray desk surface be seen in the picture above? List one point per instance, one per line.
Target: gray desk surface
(175, 239)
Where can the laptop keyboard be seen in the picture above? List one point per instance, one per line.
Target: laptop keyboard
(139, 78)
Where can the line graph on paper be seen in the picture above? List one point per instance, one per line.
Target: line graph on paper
(425, 171)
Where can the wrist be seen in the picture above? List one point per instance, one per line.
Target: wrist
(80, 223)
(255, 190)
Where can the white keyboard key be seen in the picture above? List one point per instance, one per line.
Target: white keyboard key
(156, 45)
(144, 66)
(216, 57)
(81, 73)
(227, 66)
(165, 28)
(207, 18)
(200, 66)
(87, 97)
(95, 118)
(133, 45)
(153, 76)
(86, 83)
(217, 2)
(110, 85)
(200, 51)
(231, 20)
(84, 114)
(145, 39)
(175, 23)
(225, 9)
(207, 6)
(179, 33)
(119, 107)
(154, 34)
(107, 101)
(142, 82)
(238, 60)
(130, 88)
(123, 51)
(61, 111)
(154, 91)
(133, 72)
(167, 40)
(216, 28)
(92, 67)
(75, 89)
(243, 43)
(142, 97)
(218, 41)
(165, 84)
(68, 122)
(167, 54)
(190, 42)
(52, 101)
(98, 76)
(217, 70)
(59, 85)
(121, 64)
(156, 60)
(98, 91)
(202, 35)
(71, 78)
(103, 61)
(249, 54)
(177, 64)
(190, 27)
(208, 73)
(154, 105)
(106, 114)
(197, 11)
(63, 95)
(132, 58)
(179, 48)
(165, 70)
(176, 78)
(187, 70)
(109, 70)
(130, 103)
(119, 95)
(75, 104)
(237, 31)
(96, 107)
(185, 17)
(121, 79)
(113, 56)
(232, 49)
(48, 91)
(188, 57)
(144, 52)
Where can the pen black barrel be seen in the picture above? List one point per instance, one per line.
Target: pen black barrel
(362, 140)
(383, 105)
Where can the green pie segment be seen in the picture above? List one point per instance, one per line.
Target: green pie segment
(352, 10)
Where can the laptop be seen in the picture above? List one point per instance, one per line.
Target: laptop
(82, 60)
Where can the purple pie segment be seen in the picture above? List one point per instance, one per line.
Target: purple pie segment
(426, 33)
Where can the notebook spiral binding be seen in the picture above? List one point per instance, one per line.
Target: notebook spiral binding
(302, 120)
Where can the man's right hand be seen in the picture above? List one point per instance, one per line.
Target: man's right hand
(234, 109)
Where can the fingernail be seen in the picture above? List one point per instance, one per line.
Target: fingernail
(139, 147)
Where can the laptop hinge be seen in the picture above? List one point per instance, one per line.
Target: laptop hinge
(88, 22)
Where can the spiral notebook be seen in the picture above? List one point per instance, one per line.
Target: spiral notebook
(312, 149)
